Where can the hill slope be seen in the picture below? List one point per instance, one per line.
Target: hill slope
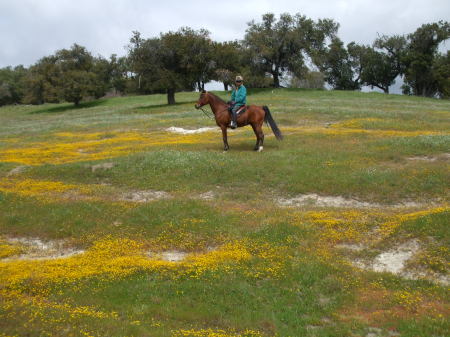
(116, 221)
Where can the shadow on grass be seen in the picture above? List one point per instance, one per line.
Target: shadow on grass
(152, 107)
(257, 91)
(68, 107)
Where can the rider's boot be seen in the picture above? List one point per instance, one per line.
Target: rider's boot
(233, 123)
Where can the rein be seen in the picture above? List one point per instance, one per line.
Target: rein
(207, 113)
(210, 114)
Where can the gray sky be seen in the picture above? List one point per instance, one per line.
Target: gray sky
(31, 29)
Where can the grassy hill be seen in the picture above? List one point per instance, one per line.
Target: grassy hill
(111, 224)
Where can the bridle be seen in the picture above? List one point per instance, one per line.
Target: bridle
(208, 113)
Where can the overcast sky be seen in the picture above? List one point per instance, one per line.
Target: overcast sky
(31, 29)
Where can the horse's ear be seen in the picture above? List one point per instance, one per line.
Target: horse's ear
(203, 91)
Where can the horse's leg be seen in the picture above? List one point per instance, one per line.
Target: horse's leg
(261, 137)
(225, 138)
(257, 129)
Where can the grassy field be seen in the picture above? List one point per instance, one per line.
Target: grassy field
(112, 225)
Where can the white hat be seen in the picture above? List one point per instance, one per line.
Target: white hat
(239, 78)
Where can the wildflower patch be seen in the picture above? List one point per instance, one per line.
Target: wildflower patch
(72, 147)
(42, 189)
(118, 258)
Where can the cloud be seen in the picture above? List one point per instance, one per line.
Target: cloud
(32, 29)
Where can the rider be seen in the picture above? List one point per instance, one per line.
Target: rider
(238, 99)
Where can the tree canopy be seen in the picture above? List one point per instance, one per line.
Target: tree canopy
(180, 60)
(281, 45)
(420, 57)
(290, 48)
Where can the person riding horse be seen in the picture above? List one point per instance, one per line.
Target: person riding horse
(238, 99)
(253, 115)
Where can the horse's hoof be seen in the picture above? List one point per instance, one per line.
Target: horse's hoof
(260, 149)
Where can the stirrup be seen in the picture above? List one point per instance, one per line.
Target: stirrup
(233, 125)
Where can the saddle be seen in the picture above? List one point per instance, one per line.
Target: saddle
(240, 111)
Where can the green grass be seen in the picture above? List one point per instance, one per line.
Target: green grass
(341, 144)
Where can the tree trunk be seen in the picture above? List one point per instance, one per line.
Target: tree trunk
(276, 78)
(225, 86)
(385, 89)
(170, 96)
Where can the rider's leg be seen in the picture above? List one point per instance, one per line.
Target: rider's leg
(234, 117)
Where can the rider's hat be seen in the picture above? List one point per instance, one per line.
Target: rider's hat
(239, 78)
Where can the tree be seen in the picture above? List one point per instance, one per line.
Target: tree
(377, 70)
(42, 82)
(441, 72)
(199, 55)
(12, 84)
(142, 55)
(102, 69)
(227, 56)
(70, 74)
(175, 61)
(311, 80)
(78, 84)
(420, 56)
(119, 72)
(77, 76)
(382, 63)
(394, 47)
(279, 46)
(342, 69)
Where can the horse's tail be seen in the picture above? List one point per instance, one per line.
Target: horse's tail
(269, 119)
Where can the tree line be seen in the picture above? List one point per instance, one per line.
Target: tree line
(291, 50)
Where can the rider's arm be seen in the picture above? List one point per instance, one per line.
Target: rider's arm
(240, 97)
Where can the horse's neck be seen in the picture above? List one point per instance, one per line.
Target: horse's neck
(216, 105)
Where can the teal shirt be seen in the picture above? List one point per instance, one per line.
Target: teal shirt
(239, 96)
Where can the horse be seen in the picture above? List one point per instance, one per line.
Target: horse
(253, 115)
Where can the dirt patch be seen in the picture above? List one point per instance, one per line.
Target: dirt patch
(315, 200)
(169, 255)
(175, 255)
(37, 249)
(104, 166)
(350, 246)
(210, 195)
(417, 274)
(395, 261)
(145, 196)
(443, 156)
(17, 170)
(189, 132)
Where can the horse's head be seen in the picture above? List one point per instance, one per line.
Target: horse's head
(202, 100)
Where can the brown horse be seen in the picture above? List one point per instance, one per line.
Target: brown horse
(253, 115)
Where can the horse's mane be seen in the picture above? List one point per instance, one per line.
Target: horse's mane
(217, 97)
